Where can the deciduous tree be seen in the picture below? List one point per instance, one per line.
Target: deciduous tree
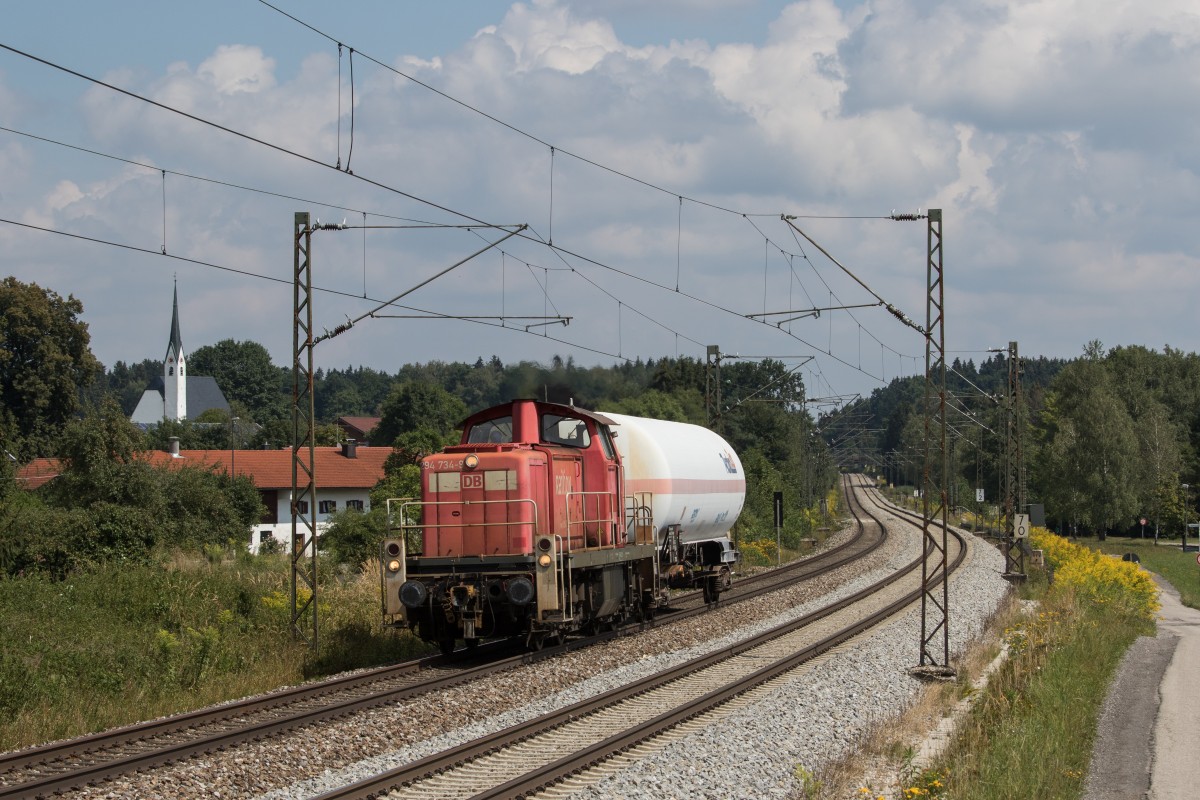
(45, 361)
(246, 375)
(414, 405)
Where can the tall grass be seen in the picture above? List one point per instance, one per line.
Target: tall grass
(122, 643)
(1031, 734)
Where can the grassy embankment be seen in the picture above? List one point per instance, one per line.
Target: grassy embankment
(1031, 732)
(127, 642)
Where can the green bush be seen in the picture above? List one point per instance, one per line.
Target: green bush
(353, 537)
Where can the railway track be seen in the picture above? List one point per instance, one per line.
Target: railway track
(61, 766)
(521, 760)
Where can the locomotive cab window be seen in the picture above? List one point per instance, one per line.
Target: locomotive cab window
(492, 431)
(607, 443)
(569, 431)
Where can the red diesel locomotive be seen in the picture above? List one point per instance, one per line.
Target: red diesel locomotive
(547, 519)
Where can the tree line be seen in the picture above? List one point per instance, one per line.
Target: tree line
(1108, 438)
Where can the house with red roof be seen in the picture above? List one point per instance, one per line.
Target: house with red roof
(358, 428)
(344, 475)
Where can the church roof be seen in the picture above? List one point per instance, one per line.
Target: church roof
(203, 393)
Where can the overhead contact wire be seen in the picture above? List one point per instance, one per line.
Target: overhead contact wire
(237, 133)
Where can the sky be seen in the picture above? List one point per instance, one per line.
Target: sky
(652, 152)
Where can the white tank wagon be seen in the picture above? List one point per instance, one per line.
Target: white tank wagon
(696, 489)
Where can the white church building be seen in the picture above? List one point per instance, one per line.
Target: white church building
(176, 395)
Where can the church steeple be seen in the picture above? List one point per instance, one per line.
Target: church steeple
(174, 369)
(175, 345)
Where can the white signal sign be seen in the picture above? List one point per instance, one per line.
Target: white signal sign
(979, 495)
(1020, 526)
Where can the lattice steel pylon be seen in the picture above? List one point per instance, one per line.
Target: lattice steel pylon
(1014, 469)
(712, 389)
(935, 583)
(303, 585)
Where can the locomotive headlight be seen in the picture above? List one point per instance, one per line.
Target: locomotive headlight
(413, 594)
(471, 461)
(393, 565)
(544, 561)
(519, 591)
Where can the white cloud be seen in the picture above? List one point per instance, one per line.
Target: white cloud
(546, 35)
(238, 69)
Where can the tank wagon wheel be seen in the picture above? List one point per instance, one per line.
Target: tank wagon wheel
(446, 646)
(472, 643)
(645, 610)
(725, 579)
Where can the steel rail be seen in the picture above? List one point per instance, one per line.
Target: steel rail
(441, 762)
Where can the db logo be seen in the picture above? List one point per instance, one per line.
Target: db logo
(472, 480)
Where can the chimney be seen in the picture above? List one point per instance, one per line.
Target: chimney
(350, 448)
(173, 446)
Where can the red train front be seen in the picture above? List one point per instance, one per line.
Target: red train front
(522, 529)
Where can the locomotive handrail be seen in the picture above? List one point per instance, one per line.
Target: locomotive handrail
(564, 566)
(420, 527)
(598, 521)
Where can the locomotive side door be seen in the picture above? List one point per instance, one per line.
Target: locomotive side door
(567, 474)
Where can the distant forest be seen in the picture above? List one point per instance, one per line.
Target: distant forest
(1108, 439)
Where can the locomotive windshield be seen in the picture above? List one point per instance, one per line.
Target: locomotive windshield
(492, 431)
(569, 431)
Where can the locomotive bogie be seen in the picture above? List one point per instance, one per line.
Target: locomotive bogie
(532, 597)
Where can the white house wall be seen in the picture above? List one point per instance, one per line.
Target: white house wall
(281, 531)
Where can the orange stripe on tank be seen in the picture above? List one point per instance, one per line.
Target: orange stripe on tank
(686, 485)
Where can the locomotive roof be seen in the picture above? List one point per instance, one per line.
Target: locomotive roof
(490, 413)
